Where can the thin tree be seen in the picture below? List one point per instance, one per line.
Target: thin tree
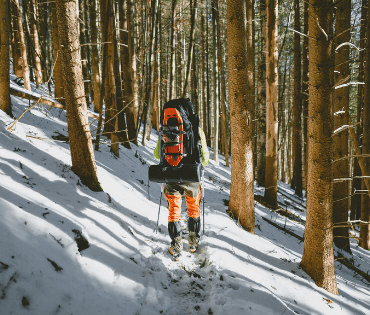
(82, 154)
(134, 105)
(5, 102)
(215, 133)
(271, 105)
(222, 83)
(340, 109)
(365, 200)
(242, 187)
(305, 92)
(318, 252)
(16, 52)
(261, 101)
(297, 105)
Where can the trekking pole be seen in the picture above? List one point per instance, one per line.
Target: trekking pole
(203, 196)
(159, 210)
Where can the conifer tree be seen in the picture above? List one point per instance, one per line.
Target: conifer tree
(318, 252)
(82, 154)
(242, 187)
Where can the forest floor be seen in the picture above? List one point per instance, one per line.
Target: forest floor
(67, 250)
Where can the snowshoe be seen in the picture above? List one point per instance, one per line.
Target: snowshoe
(176, 248)
(193, 239)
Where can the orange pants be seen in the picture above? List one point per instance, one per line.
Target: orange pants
(173, 193)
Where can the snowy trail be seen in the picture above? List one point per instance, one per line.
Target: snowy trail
(127, 268)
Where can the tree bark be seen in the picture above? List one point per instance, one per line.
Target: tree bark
(203, 91)
(318, 252)
(242, 190)
(5, 102)
(271, 105)
(82, 154)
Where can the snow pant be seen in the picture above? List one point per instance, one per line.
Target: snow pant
(173, 193)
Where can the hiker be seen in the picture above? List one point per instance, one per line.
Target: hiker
(175, 190)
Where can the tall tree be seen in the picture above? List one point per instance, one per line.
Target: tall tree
(134, 104)
(356, 185)
(365, 200)
(305, 92)
(318, 252)
(82, 154)
(261, 100)
(5, 103)
(271, 104)
(215, 82)
(222, 82)
(340, 108)
(241, 108)
(297, 105)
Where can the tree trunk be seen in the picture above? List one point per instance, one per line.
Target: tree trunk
(95, 56)
(58, 76)
(365, 201)
(356, 184)
(215, 83)
(36, 43)
(5, 102)
(23, 47)
(83, 41)
(133, 107)
(271, 105)
(16, 52)
(242, 191)
(297, 106)
(204, 95)
(318, 252)
(82, 154)
(340, 140)
(261, 102)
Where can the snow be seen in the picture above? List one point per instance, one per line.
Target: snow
(127, 269)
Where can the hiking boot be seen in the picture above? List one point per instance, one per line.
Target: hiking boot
(193, 239)
(176, 248)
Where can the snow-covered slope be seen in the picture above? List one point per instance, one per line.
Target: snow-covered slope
(126, 269)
